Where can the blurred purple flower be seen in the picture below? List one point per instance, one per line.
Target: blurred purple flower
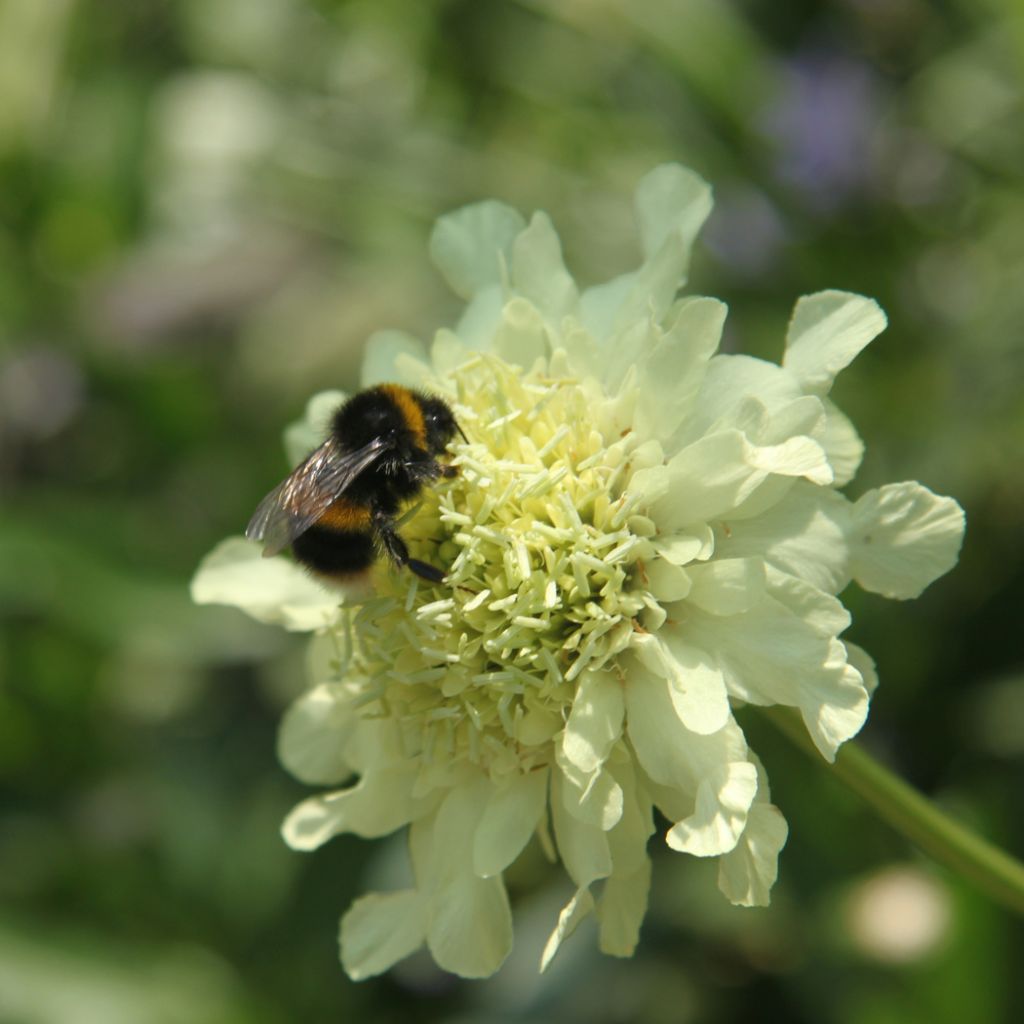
(745, 232)
(822, 124)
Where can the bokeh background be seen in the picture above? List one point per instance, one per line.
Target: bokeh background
(205, 208)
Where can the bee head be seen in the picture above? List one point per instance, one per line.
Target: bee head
(440, 424)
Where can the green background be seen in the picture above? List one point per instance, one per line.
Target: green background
(205, 209)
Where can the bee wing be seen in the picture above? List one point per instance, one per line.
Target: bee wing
(303, 496)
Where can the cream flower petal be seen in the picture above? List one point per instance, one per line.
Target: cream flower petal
(271, 590)
(447, 352)
(834, 701)
(672, 204)
(727, 586)
(747, 873)
(627, 841)
(521, 337)
(377, 742)
(472, 247)
(826, 333)
(903, 538)
(470, 929)
(671, 375)
(572, 914)
(481, 317)
(713, 769)
(764, 651)
(709, 478)
(623, 900)
(670, 753)
(695, 542)
(380, 929)
(619, 361)
(697, 687)
(816, 608)
(621, 910)
(729, 391)
(604, 306)
(804, 534)
(774, 423)
(702, 481)
(767, 495)
(513, 810)
(696, 684)
(580, 351)
(583, 847)
(772, 656)
(469, 923)
(834, 709)
(674, 804)
(314, 734)
(395, 357)
(538, 273)
(799, 456)
(803, 416)
(595, 720)
(380, 802)
(723, 798)
(864, 664)
(667, 581)
(328, 657)
(593, 798)
(842, 444)
(301, 437)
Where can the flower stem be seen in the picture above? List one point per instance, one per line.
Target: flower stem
(916, 817)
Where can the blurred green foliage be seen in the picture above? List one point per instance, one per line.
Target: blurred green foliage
(205, 208)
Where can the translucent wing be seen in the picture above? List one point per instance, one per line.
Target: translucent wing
(302, 497)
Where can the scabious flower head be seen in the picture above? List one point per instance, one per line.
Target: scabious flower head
(642, 535)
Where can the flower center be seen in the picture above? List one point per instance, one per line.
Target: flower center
(539, 545)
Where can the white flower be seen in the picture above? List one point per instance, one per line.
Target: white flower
(642, 534)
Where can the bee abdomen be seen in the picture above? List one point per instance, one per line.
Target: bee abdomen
(340, 543)
(345, 516)
(332, 552)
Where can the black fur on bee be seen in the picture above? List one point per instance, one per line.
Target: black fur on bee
(337, 508)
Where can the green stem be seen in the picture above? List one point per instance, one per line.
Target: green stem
(916, 817)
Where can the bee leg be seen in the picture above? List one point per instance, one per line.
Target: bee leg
(394, 547)
(424, 471)
(427, 471)
(425, 572)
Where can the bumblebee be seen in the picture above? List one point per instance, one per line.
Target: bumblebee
(337, 509)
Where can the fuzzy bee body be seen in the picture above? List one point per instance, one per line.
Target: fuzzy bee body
(337, 509)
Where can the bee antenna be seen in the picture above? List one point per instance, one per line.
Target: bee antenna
(462, 433)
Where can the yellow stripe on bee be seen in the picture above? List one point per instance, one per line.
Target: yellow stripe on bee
(410, 409)
(345, 515)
